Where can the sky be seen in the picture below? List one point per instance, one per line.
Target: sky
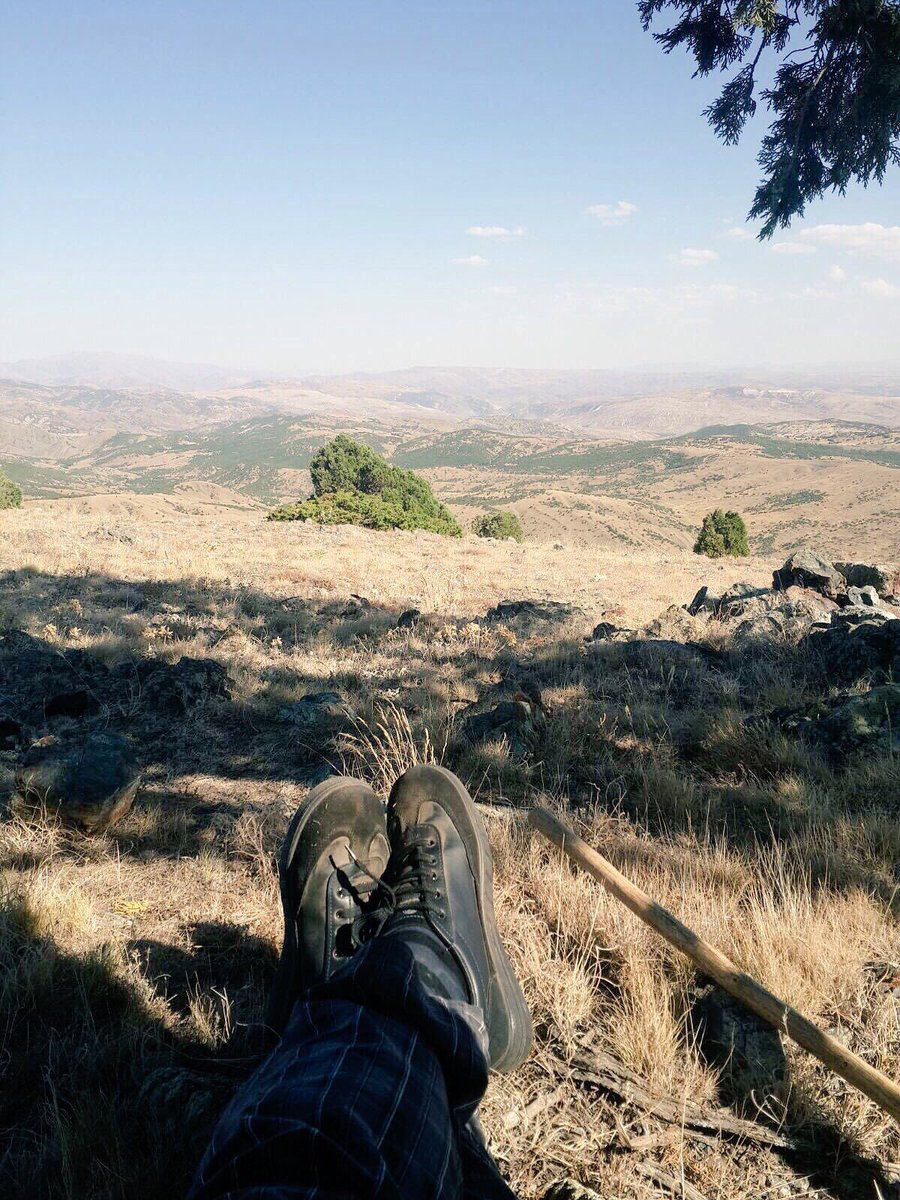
(304, 186)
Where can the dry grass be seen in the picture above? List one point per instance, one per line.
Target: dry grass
(133, 967)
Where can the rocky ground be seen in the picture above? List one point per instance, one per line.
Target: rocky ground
(737, 755)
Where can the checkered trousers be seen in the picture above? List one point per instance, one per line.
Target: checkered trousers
(371, 1093)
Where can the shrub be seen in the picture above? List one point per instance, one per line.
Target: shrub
(721, 534)
(499, 525)
(352, 485)
(10, 493)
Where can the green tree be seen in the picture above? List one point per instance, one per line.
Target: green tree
(10, 493)
(721, 534)
(834, 100)
(352, 485)
(499, 525)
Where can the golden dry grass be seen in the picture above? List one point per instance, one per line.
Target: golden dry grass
(133, 967)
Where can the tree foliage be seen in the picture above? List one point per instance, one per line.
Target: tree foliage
(499, 525)
(834, 100)
(10, 493)
(352, 485)
(721, 534)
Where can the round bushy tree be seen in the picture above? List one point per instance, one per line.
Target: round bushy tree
(721, 534)
(10, 493)
(500, 525)
(343, 465)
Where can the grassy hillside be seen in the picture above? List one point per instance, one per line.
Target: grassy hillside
(136, 963)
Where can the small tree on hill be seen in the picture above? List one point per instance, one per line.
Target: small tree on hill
(721, 534)
(343, 465)
(10, 493)
(500, 525)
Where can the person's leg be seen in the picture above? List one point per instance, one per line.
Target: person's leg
(372, 1090)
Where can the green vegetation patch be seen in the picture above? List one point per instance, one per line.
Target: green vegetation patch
(722, 533)
(352, 485)
(500, 525)
(10, 493)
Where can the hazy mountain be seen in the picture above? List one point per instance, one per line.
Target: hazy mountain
(123, 371)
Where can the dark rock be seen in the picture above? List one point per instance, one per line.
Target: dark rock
(764, 626)
(745, 1050)
(177, 689)
(90, 780)
(703, 601)
(805, 568)
(532, 610)
(867, 722)
(10, 732)
(885, 580)
(736, 600)
(571, 1189)
(516, 720)
(70, 704)
(607, 632)
(318, 710)
(849, 650)
(409, 619)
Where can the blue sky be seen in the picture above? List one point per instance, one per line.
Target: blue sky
(295, 186)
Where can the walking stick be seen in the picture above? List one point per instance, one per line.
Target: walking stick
(872, 1082)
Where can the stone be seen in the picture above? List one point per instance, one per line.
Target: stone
(317, 710)
(90, 781)
(408, 619)
(763, 626)
(807, 569)
(191, 681)
(868, 722)
(703, 601)
(605, 631)
(516, 720)
(851, 649)
(864, 596)
(738, 599)
(885, 580)
(75, 705)
(675, 623)
(745, 1050)
(571, 1189)
(553, 611)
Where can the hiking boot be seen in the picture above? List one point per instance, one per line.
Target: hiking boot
(441, 877)
(332, 859)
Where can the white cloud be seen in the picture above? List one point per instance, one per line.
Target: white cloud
(869, 239)
(792, 248)
(612, 214)
(880, 288)
(837, 274)
(495, 231)
(691, 257)
(503, 289)
(470, 260)
(740, 234)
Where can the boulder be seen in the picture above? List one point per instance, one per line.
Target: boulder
(807, 569)
(745, 1050)
(675, 623)
(761, 626)
(854, 647)
(90, 781)
(516, 720)
(703, 601)
(553, 611)
(885, 580)
(408, 619)
(867, 722)
(739, 599)
(864, 596)
(175, 689)
(317, 710)
(605, 631)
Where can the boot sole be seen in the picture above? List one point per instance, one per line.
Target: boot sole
(507, 1016)
(286, 986)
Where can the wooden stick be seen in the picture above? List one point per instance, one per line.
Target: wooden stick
(872, 1082)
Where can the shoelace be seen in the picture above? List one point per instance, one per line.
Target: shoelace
(414, 876)
(373, 896)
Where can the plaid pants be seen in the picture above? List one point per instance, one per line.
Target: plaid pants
(372, 1092)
